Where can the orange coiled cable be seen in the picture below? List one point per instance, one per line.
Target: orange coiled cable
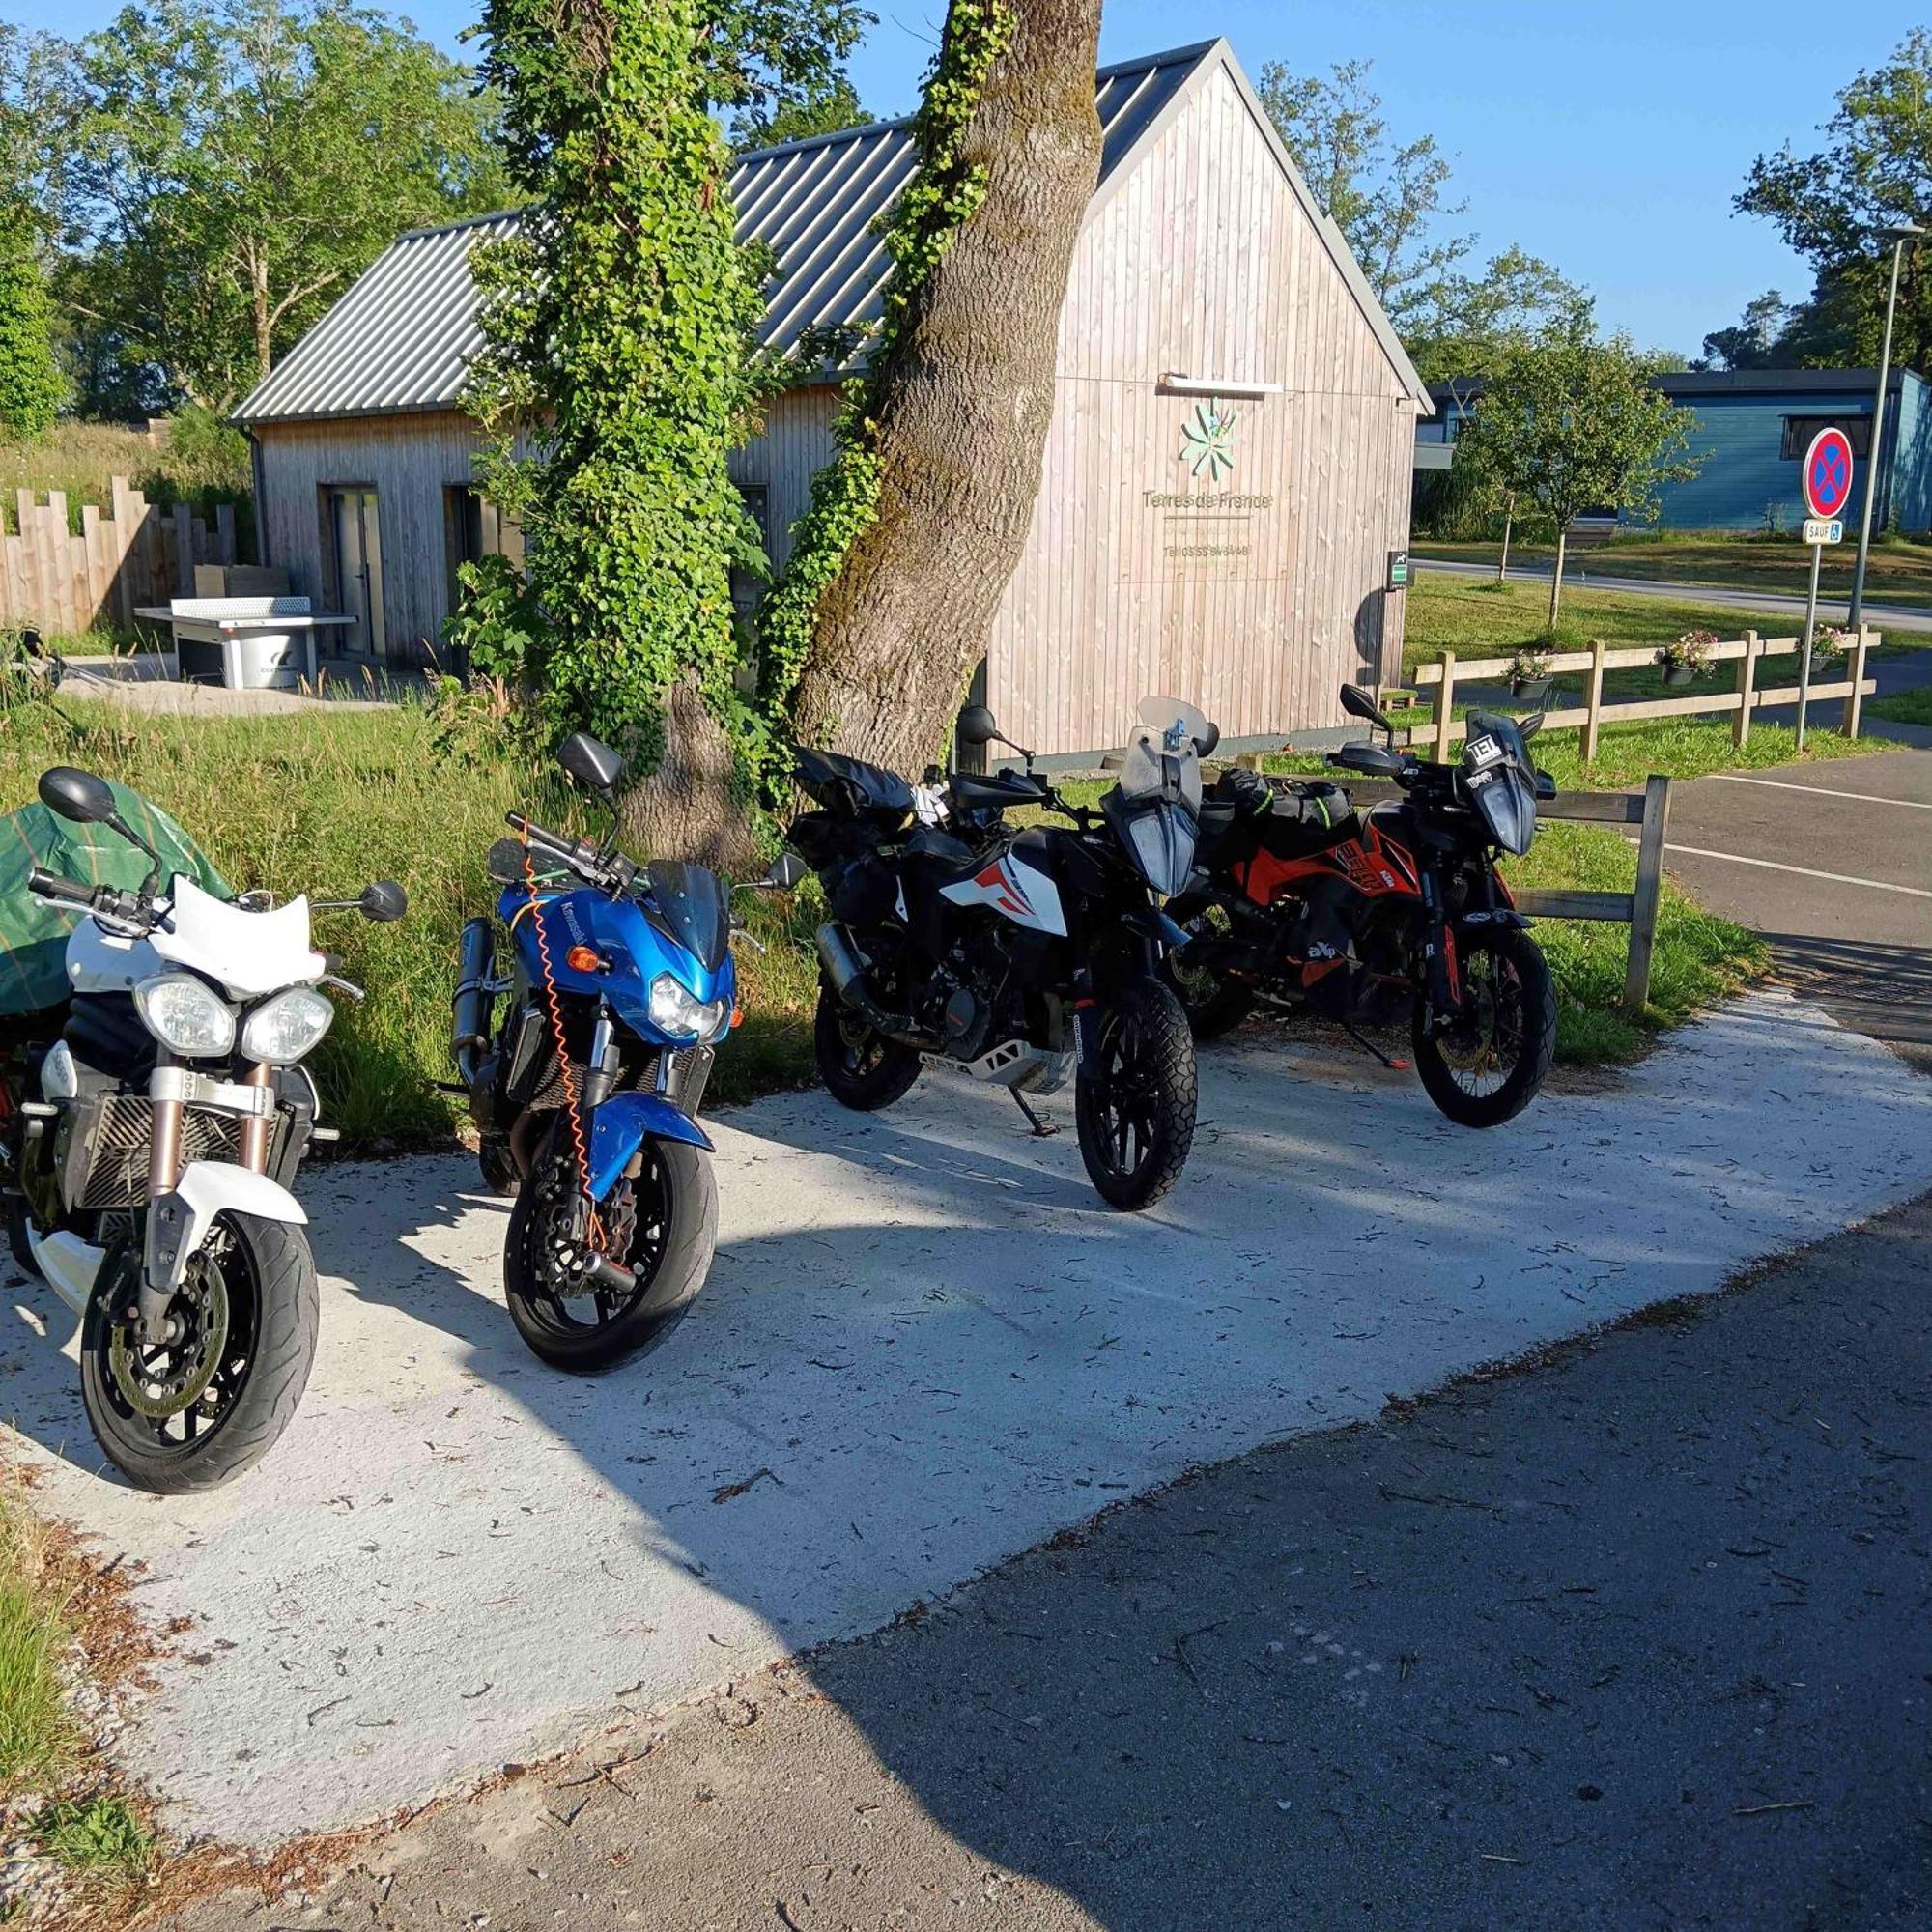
(555, 1005)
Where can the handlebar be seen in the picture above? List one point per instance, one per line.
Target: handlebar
(130, 907)
(588, 860)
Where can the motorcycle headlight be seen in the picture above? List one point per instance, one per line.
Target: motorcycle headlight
(286, 1028)
(1163, 848)
(677, 1012)
(186, 1017)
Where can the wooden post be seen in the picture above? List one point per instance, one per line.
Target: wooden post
(1854, 705)
(1747, 691)
(1596, 700)
(1649, 890)
(1445, 705)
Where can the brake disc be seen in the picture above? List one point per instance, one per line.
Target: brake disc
(192, 1361)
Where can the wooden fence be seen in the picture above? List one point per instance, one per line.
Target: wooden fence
(58, 580)
(1749, 651)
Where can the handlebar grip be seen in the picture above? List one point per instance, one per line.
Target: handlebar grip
(55, 885)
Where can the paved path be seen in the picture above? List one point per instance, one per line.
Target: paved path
(1636, 1639)
(1578, 576)
(1832, 863)
(924, 1348)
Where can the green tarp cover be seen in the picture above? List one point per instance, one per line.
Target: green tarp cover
(33, 931)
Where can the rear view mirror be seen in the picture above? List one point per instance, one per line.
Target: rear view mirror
(787, 870)
(383, 901)
(1546, 785)
(591, 762)
(977, 725)
(1358, 704)
(77, 796)
(1206, 741)
(1529, 727)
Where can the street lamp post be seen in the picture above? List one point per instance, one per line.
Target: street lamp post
(1898, 236)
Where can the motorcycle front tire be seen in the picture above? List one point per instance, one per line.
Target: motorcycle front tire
(278, 1274)
(1135, 1110)
(579, 1347)
(1514, 952)
(860, 1068)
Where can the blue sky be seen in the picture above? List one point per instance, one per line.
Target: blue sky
(1608, 140)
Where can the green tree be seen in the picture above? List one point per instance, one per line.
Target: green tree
(1757, 339)
(31, 388)
(1387, 196)
(830, 109)
(1470, 318)
(617, 324)
(1567, 424)
(1833, 207)
(234, 165)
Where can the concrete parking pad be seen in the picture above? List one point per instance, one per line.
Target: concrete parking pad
(924, 1347)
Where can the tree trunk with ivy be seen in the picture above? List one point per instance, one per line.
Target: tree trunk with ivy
(617, 324)
(916, 527)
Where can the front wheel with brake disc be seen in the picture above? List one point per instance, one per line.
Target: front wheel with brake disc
(659, 1221)
(1485, 1067)
(209, 1400)
(1135, 1097)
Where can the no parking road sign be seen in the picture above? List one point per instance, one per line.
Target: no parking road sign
(1827, 478)
(1828, 473)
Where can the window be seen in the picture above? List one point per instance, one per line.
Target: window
(1800, 430)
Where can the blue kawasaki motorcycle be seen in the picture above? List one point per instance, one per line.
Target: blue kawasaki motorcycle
(619, 990)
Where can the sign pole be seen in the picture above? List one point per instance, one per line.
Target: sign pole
(1805, 658)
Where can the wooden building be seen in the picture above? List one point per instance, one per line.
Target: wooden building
(1225, 481)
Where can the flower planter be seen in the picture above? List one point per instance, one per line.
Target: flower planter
(1531, 690)
(1678, 676)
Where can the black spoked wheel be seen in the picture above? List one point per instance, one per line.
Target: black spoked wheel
(659, 1221)
(1213, 1000)
(1135, 1108)
(210, 1400)
(860, 1067)
(1487, 1065)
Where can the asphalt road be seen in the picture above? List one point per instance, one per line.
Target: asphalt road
(1832, 863)
(1578, 576)
(1636, 1637)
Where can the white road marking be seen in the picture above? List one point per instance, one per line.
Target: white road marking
(1803, 871)
(1823, 791)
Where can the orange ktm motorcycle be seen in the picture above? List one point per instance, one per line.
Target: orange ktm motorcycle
(1302, 901)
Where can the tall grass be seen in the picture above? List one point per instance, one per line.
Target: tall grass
(323, 802)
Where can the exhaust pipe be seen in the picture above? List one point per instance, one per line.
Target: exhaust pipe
(842, 968)
(475, 999)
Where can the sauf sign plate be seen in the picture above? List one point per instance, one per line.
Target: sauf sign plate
(1824, 529)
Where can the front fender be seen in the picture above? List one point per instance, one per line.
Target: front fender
(178, 1223)
(623, 1123)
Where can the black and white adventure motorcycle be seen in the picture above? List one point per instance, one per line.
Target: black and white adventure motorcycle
(1026, 956)
(147, 1151)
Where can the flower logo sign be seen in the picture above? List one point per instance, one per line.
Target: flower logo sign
(1208, 441)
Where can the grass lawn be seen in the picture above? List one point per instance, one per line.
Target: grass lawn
(90, 1830)
(1899, 571)
(1907, 707)
(1485, 619)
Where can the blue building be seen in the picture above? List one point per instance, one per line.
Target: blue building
(1752, 426)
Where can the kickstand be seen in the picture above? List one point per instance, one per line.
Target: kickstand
(1041, 1129)
(1369, 1046)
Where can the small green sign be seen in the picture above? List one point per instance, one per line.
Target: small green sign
(1398, 578)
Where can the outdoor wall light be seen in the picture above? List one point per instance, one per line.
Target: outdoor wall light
(1216, 386)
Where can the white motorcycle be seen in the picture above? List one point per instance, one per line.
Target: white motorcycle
(151, 1149)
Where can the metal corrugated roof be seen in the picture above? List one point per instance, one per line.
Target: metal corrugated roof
(402, 337)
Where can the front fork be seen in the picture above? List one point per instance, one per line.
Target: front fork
(168, 1087)
(1442, 979)
(600, 1075)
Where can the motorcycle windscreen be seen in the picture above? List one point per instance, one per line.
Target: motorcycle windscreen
(688, 902)
(1498, 779)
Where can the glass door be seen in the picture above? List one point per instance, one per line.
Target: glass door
(355, 534)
